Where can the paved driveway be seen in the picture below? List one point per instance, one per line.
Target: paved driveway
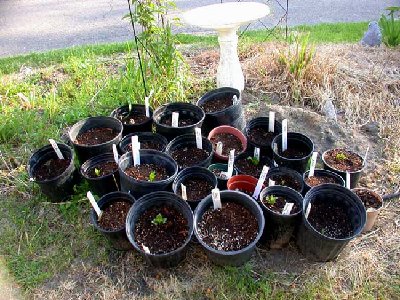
(39, 25)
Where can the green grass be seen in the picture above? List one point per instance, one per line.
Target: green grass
(321, 33)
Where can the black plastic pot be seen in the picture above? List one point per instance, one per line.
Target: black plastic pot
(184, 109)
(104, 184)
(166, 260)
(264, 161)
(117, 238)
(294, 140)
(123, 111)
(223, 167)
(261, 122)
(338, 180)
(189, 140)
(84, 152)
(232, 258)
(232, 115)
(139, 188)
(287, 172)
(354, 176)
(318, 246)
(143, 137)
(279, 228)
(60, 187)
(194, 173)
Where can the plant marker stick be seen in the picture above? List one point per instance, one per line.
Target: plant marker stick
(130, 107)
(257, 153)
(365, 156)
(146, 249)
(271, 121)
(234, 99)
(147, 104)
(308, 210)
(313, 163)
(284, 135)
(199, 139)
(348, 180)
(216, 197)
(271, 182)
(219, 148)
(287, 209)
(260, 182)
(231, 160)
(115, 152)
(175, 119)
(184, 194)
(135, 150)
(94, 204)
(56, 149)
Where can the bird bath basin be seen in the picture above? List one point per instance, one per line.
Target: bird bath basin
(226, 18)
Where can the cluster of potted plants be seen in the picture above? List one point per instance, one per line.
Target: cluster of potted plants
(163, 176)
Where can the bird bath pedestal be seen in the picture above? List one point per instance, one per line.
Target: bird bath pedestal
(226, 18)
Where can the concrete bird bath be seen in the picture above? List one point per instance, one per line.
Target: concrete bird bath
(226, 18)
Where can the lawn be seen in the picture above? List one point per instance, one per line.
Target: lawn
(53, 252)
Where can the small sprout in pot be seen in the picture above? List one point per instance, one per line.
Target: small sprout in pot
(254, 160)
(159, 220)
(152, 176)
(97, 172)
(341, 156)
(271, 199)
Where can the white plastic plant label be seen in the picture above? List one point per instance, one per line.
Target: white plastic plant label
(348, 180)
(175, 119)
(313, 163)
(257, 153)
(271, 121)
(184, 193)
(146, 249)
(199, 139)
(147, 103)
(260, 182)
(284, 135)
(135, 150)
(271, 182)
(115, 152)
(94, 204)
(130, 107)
(235, 99)
(287, 209)
(219, 148)
(366, 156)
(275, 147)
(56, 149)
(308, 210)
(231, 160)
(216, 197)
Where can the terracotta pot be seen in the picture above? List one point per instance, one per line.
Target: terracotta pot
(372, 213)
(231, 130)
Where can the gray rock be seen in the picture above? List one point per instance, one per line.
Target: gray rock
(373, 36)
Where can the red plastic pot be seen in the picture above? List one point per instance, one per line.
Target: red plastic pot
(243, 182)
(230, 130)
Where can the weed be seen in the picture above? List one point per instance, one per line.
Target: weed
(152, 176)
(390, 28)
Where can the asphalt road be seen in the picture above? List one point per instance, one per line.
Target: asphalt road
(40, 25)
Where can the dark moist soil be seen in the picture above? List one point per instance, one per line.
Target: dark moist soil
(280, 204)
(132, 118)
(51, 169)
(217, 172)
(183, 120)
(286, 180)
(114, 215)
(161, 238)
(317, 180)
(330, 219)
(352, 163)
(96, 136)
(196, 189)
(229, 142)
(105, 168)
(216, 105)
(228, 229)
(369, 199)
(261, 136)
(245, 166)
(142, 172)
(146, 145)
(189, 156)
(295, 153)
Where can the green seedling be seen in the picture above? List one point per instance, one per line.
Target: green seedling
(254, 160)
(341, 156)
(97, 172)
(271, 199)
(159, 220)
(152, 176)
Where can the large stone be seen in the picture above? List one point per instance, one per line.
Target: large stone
(373, 36)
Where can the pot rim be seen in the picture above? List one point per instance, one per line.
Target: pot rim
(236, 132)
(105, 157)
(269, 188)
(161, 110)
(377, 196)
(344, 172)
(293, 159)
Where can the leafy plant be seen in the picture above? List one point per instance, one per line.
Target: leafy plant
(152, 176)
(159, 220)
(390, 27)
(97, 172)
(271, 199)
(340, 156)
(254, 160)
